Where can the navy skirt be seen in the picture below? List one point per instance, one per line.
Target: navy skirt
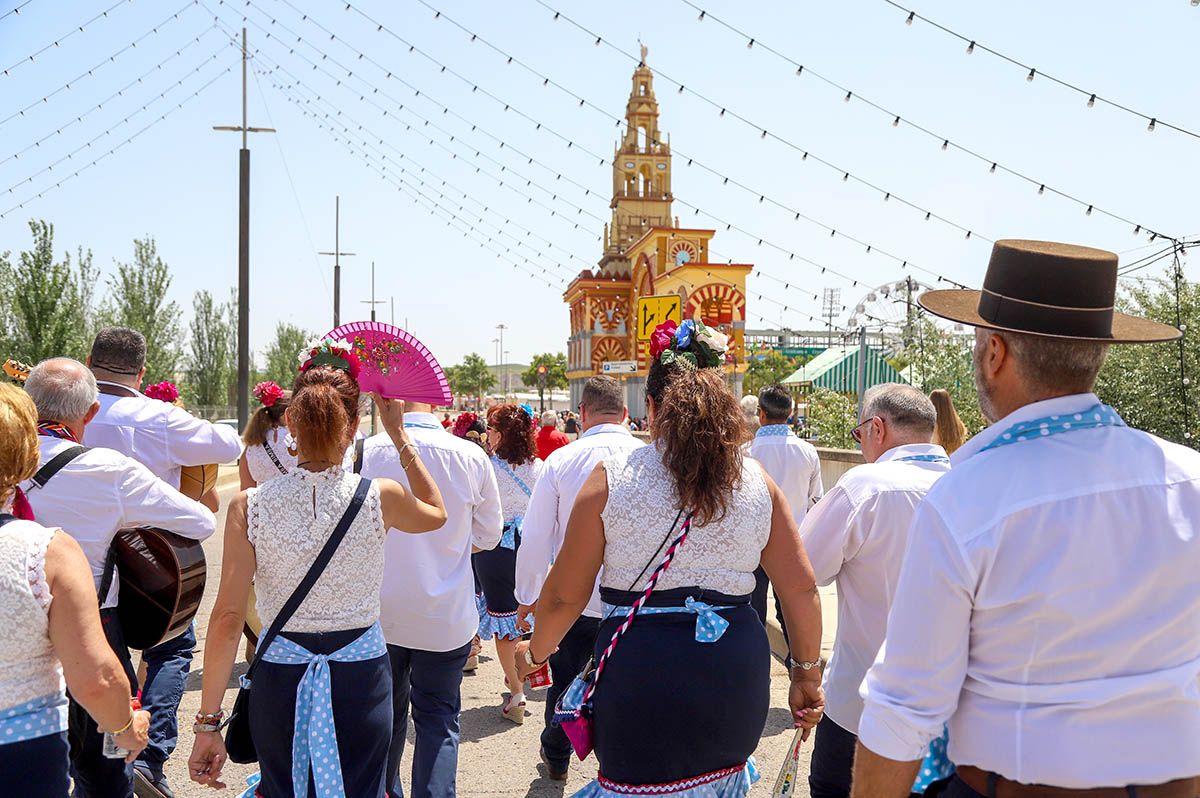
(496, 574)
(668, 707)
(35, 768)
(362, 717)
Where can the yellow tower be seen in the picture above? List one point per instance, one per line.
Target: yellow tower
(647, 256)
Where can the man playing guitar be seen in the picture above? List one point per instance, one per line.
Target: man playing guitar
(164, 438)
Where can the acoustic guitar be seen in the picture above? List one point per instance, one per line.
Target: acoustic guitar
(16, 370)
(162, 583)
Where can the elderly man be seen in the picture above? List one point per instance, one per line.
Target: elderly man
(163, 438)
(1048, 605)
(428, 610)
(602, 414)
(856, 537)
(549, 438)
(92, 497)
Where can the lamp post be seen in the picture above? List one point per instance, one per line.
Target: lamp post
(337, 261)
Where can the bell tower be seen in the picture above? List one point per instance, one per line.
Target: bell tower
(641, 169)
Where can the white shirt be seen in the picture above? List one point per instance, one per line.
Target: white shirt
(856, 536)
(793, 464)
(428, 593)
(1049, 608)
(159, 435)
(550, 507)
(101, 492)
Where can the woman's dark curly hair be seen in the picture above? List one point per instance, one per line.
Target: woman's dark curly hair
(699, 428)
(515, 425)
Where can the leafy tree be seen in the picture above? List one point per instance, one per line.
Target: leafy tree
(137, 299)
(211, 361)
(49, 313)
(281, 355)
(943, 359)
(760, 373)
(832, 416)
(1144, 383)
(556, 373)
(472, 377)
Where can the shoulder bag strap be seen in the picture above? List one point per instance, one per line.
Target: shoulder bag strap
(56, 464)
(314, 573)
(274, 458)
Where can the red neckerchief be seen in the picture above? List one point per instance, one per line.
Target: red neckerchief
(53, 429)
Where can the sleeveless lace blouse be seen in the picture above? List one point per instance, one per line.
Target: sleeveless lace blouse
(289, 520)
(642, 503)
(513, 500)
(29, 668)
(262, 469)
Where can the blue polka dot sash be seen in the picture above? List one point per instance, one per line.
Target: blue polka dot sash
(1099, 415)
(773, 431)
(508, 539)
(923, 458)
(37, 718)
(315, 738)
(709, 626)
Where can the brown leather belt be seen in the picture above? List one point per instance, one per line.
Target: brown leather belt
(1001, 787)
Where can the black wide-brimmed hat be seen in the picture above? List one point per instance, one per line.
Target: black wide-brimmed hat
(1050, 289)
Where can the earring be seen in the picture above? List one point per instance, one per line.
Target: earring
(293, 445)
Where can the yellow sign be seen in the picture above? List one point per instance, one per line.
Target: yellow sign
(655, 310)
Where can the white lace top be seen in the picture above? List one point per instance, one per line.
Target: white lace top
(29, 668)
(290, 519)
(262, 468)
(513, 500)
(641, 505)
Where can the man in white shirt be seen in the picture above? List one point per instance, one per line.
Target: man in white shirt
(856, 537)
(1048, 604)
(92, 497)
(793, 464)
(602, 416)
(428, 611)
(163, 438)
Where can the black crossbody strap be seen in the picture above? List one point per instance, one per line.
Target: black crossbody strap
(314, 573)
(274, 459)
(56, 464)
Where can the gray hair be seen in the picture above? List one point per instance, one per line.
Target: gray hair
(549, 419)
(903, 406)
(1056, 365)
(62, 389)
(603, 396)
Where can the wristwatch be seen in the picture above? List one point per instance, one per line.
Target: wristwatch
(530, 661)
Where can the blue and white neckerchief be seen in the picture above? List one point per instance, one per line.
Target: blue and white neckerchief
(314, 740)
(709, 625)
(923, 458)
(37, 718)
(508, 469)
(773, 430)
(417, 425)
(1099, 415)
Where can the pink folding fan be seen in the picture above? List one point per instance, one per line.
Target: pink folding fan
(394, 363)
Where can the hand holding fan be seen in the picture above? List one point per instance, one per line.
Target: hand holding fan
(393, 363)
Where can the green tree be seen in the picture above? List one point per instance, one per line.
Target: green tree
(49, 313)
(211, 363)
(281, 355)
(137, 298)
(472, 377)
(772, 368)
(832, 416)
(943, 359)
(556, 373)
(1145, 383)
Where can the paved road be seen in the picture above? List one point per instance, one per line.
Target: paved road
(497, 758)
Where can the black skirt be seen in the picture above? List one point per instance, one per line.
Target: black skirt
(35, 768)
(668, 707)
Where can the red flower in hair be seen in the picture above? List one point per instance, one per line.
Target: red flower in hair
(163, 391)
(267, 393)
(662, 338)
(463, 423)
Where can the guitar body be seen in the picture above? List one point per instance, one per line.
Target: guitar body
(195, 481)
(162, 583)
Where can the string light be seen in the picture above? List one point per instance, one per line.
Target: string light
(1092, 101)
(17, 10)
(1032, 72)
(57, 42)
(970, 48)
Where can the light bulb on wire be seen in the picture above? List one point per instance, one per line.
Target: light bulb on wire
(1029, 77)
(970, 48)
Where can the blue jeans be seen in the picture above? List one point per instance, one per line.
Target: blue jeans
(430, 682)
(565, 665)
(167, 666)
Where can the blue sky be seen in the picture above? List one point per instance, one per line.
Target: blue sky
(177, 180)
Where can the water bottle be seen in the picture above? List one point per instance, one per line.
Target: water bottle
(110, 748)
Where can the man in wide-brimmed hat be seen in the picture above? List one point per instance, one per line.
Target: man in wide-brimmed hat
(1048, 608)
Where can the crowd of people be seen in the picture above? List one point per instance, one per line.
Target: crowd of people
(1018, 613)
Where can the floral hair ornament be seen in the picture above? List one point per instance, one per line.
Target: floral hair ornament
(463, 423)
(163, 391)
(336, 354)
(267, 393)
(690, 345)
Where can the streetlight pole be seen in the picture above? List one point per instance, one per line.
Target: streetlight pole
(243, 331)
(373, 302)
(337, 263)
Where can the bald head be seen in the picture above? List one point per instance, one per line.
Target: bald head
(63, 390)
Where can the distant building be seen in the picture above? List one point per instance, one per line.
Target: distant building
(837, 369)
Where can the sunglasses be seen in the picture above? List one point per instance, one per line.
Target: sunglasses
(856, 433)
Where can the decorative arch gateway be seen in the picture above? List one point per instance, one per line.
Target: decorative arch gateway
(606, 349)
(646, 285)
(610, 313)
(717, 304)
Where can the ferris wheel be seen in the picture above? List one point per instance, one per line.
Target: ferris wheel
(888, 308)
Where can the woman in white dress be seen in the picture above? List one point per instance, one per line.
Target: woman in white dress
(266, 455)
(273, 535)
(511, 439)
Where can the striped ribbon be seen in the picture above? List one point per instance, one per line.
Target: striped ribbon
(637, 605)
